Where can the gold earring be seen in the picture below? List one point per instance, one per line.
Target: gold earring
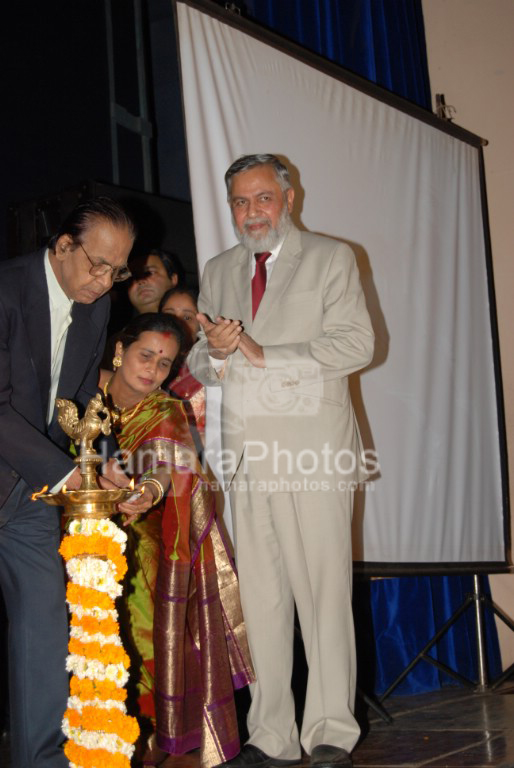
(116, 361)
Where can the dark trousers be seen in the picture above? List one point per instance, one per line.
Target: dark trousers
(32, 582)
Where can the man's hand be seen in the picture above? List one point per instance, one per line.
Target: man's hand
(222, 336)
(112, 472)
(74, 480)
(253, 352)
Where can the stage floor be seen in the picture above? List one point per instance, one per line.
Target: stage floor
(452, 728)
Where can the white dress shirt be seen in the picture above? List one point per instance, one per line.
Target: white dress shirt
(60, 320)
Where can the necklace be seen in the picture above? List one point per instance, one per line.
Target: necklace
(119, 416)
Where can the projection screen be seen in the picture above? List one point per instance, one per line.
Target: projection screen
(407, 196)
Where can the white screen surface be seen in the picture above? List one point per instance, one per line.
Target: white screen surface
(406, 196)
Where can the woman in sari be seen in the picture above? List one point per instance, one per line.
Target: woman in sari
(199, 652)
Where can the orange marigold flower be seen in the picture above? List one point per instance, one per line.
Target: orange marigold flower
(92, 626)
(107, 654)
(94, 758)
(87, 689)
(74, 717)
(96, 546)
(105, 721)
(88, 597)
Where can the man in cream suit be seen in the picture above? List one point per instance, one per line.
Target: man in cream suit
(284, 322)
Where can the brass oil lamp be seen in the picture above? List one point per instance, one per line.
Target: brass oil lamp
(89, 501)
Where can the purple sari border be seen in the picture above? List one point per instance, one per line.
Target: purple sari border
(214, 705)
(209, 600)
(169, 599)
(177, 697)
(180, 746)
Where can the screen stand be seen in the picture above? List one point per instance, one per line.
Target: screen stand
(478, 600)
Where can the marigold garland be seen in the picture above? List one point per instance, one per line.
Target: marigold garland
(88, 598)
(93, 758)
(107, 720)
(96, 689)
(107, 654)
(92, 625)
(99, 546)
(100, 733)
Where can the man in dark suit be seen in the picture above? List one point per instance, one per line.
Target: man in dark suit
(53, 317)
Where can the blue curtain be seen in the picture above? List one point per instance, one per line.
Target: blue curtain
(396, 617)
(384, 41)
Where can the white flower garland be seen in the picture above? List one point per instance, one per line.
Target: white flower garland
(99, 731)
(96, 573)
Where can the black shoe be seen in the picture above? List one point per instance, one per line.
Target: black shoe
(327, 756)
(253, 757)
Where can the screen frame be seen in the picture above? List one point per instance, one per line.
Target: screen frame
(294, 50)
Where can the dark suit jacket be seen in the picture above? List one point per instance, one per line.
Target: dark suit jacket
(28, 448)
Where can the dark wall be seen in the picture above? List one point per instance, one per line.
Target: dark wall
(56, 131)
(161, 222)
(55, 124)
(170, 141)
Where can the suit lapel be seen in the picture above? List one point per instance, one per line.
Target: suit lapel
(241, 281)
(81, 343)
(283, 270)
(36, 310)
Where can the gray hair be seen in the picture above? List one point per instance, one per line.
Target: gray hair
(245, 162)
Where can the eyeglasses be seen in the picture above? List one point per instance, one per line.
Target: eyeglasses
(97, 270)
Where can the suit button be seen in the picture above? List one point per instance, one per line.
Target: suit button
(14, 474)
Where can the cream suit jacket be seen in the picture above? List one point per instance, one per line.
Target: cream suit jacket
(293, 421)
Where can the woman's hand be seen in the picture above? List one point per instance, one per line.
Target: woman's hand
(133, 509)
(114, 477)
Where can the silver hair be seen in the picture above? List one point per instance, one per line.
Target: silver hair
(245, 162)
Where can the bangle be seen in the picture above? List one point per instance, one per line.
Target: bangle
(158, 486)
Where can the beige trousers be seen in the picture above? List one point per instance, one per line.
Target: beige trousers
(295, 547)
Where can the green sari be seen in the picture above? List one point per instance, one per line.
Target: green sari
(183, 603)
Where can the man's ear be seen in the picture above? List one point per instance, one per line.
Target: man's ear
(63, 246)
(290, 199)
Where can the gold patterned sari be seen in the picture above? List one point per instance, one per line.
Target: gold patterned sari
(184, 586)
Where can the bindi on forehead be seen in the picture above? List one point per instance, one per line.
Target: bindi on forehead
(165, 335)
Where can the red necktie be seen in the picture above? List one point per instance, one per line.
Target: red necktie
(259, 280)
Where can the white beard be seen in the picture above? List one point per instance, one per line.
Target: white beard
(272, 237)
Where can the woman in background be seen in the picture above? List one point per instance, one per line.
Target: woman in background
(154, 274)
(182, 304)
(177, 557)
